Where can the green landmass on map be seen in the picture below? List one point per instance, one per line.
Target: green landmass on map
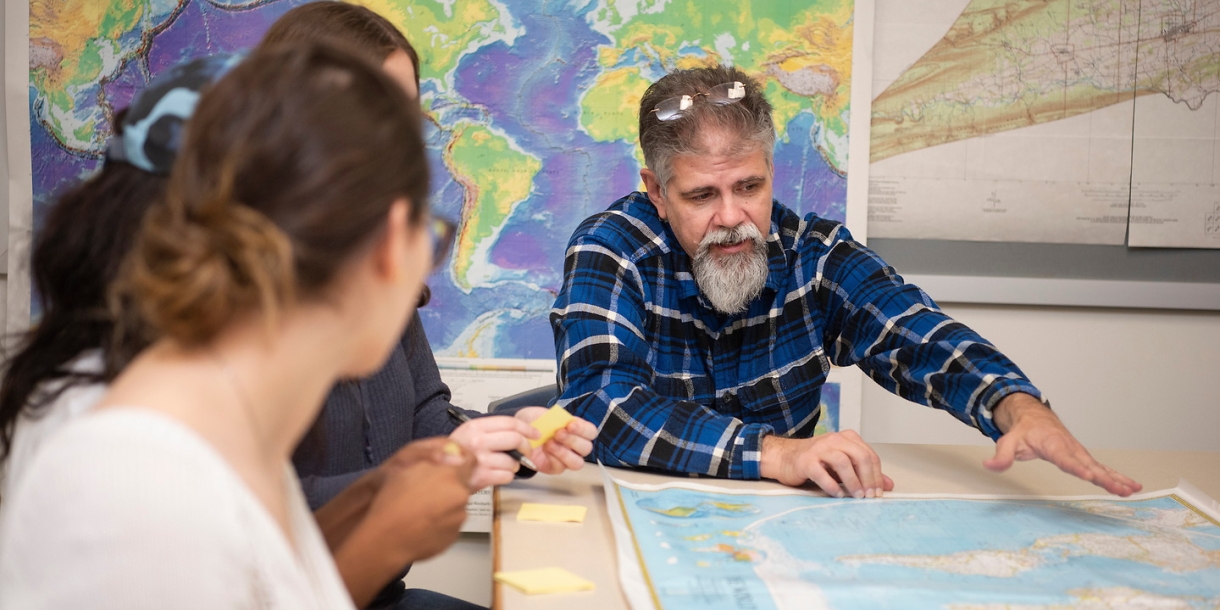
(800, 52)
(496, 176)
(74, 46)
(1008, 64)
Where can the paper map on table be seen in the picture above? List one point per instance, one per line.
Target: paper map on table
(696, 546)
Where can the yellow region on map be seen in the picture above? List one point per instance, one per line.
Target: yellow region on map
(800, 53)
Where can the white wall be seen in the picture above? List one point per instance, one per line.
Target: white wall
(1119, 378)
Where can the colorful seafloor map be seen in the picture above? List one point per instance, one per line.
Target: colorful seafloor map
(531, 108)
(696, 547)
(1048, 120)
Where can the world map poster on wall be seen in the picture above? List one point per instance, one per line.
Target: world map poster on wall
(1064, 121)
(531, 110)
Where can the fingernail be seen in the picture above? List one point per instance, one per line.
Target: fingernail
(839, 494)
(452, 454)
(869, 494)
(859, 494)
(880, 492)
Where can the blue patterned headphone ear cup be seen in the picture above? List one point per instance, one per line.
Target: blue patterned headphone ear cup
(153, 125)
(164, 140)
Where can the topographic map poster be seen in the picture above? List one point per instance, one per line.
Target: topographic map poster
(1045, 121)
(531, 111)
(690, 546)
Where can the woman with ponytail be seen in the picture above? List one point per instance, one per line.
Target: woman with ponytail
(365, 420)
(293, 233)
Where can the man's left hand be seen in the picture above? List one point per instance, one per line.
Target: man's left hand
(1031, 431)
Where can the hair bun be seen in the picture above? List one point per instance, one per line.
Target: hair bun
(192, 272)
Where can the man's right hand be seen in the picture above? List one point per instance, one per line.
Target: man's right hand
(841, 463)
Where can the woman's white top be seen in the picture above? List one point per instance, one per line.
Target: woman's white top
(33, 429)
(127, 508)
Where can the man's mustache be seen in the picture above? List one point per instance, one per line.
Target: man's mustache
(738, 233)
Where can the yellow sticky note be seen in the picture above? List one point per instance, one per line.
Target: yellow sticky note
(544, 580)
(555, 418)
(551, 512)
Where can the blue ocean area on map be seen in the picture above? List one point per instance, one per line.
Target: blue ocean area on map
(725, 551)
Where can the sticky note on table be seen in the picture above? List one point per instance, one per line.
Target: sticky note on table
(544, 580)
(555, 418)
(551, 512)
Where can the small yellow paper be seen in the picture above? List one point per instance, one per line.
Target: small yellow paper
(555, 418)
(551, 512)
(544, 580)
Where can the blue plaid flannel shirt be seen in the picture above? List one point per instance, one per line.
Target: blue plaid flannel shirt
(673, 384)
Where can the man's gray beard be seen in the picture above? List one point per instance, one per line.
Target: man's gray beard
(731, 281)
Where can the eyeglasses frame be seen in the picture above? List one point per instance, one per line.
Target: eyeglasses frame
(672, 108)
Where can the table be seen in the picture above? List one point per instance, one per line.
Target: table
(587, 549)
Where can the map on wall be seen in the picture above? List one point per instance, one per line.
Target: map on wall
(531, 108)
(1068, 121)
(687, 546)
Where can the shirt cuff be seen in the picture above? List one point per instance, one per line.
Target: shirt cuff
(748, 445)
(992, 397)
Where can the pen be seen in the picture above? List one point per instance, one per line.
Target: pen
(527, 470)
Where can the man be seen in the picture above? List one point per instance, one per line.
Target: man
(697, 322)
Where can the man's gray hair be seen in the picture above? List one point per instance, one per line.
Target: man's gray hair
(749, 119)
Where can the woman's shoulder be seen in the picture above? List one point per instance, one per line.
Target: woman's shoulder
(65, 403)
(122, 500)
(126, 470)
(133, 458)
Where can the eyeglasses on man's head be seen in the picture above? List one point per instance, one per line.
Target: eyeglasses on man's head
(673, 108)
